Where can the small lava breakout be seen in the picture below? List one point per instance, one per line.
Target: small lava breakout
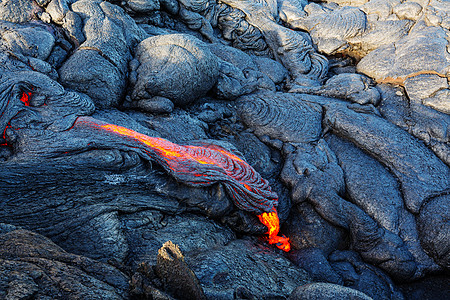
(25, 98)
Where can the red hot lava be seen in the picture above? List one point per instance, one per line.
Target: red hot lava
(202, 166)
(25, 98)
(273, 224)
(4, 137)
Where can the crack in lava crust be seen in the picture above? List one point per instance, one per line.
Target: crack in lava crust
(202, 166)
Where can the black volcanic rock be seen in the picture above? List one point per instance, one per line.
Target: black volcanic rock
(243, 263)
(433, 229)
(402, 154)
(313, 261)
(146, 231)
(19, 11)
(364, 277)
(32, 40)
(33, 266)
(425, 123)
(386, 206)
(281, 116)
(433, 287)
(306, 228)
(99, 66)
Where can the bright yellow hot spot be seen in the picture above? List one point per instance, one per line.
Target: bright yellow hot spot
(168, 148)
(273, 224)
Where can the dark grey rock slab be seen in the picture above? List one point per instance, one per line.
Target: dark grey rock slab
(31, 265)
(242, 265)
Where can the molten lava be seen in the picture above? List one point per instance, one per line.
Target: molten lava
(273, 224)
(203, 166)
(25, 98)
(4, 135)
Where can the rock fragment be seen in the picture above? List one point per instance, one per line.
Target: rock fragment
(177, 277)
(281, 116)
(427, 124)
(19, 11)
(331, 30)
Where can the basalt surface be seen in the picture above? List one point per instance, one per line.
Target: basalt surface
(172, 149)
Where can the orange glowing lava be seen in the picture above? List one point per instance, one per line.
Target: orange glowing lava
(4, 135)
(273, 224)
(204, 166)
(167, 148)
(25, 98)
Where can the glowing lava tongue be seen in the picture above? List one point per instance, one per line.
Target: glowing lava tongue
(273, 224)
(201, 166)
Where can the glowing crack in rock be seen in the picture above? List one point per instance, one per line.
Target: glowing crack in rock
(203, 166)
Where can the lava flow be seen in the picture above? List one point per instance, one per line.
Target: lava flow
(273, 224)
(202, 165)
(25, 98)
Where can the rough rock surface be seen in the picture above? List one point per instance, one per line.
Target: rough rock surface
(33, 266)
(393, 64)
(128, 124)
(99, 65)
(256, 270)
(326, 291)
(178, 68)
(425, 80)
(425, 123)
(386, 207)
